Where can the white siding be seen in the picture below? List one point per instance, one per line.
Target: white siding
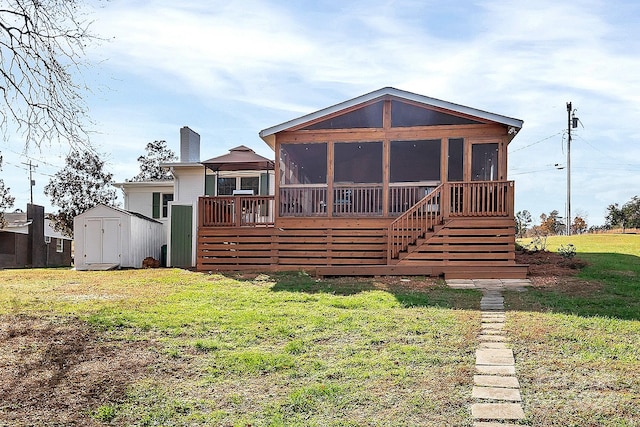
(105, 235)
(145, 241)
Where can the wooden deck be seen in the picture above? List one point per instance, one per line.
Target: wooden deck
(459, 230)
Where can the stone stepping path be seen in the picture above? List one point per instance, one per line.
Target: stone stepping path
(496, 388)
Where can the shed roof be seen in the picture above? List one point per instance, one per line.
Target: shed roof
(129, 213)
(267, 134)
(239, 158)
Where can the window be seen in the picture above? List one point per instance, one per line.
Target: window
(456, 159)
(415, 161)
(166, 198)
(369, 116)
(406, 115)
(59, 245)
(303, 163)
(358, 162)
(226, 186)
(160, 207)
(250, 183)
(47, 239)
(484, 162)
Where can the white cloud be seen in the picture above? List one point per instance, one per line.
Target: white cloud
(230, 69)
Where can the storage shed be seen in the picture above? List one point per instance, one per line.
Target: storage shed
(108, 237)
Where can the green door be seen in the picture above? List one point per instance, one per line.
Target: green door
(181, 229)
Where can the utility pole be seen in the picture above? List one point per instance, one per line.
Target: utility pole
(572, 122)
(31, 181)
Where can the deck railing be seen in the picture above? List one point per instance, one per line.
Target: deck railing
(357, 200)
(480, 198)
(456, 199)
(236, 211)
(470, 199)
(414, 223)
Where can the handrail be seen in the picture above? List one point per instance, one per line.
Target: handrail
(452, 199)
(414, 223)
(480, 198)
(236, 211)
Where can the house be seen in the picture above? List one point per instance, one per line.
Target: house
(390, 182)
(174, 203)
(108, 237)
(29, 240)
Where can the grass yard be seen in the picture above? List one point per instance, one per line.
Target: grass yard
(175, 348)
(171, 347)
(577, 339)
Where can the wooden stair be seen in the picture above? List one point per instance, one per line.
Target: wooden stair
(467, 248)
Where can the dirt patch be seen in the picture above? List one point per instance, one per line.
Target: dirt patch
(53, 369)
(552, 270)
(543, 263)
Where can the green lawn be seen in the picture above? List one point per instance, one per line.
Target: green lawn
(175, 348)
(216, 350)
(577, 343)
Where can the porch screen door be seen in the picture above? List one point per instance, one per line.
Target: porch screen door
(484, 162)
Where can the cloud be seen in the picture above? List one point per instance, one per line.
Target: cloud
(254, 64)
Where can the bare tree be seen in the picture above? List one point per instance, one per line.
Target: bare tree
(6, 200)
(42, 43)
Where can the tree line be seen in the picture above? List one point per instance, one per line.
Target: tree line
(624, 217)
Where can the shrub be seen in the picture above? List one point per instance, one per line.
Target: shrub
(568, 251)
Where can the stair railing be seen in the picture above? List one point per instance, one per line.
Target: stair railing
(414, 223)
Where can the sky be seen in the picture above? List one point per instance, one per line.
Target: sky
(228, 69)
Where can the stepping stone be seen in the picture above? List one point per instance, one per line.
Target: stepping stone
(485, 345)
(491, 331)
(492, 325)
(495, 381)
(496, 393)
(492, 298)
(495, 357)
(488, 282)
(497, 411)
(460, 286)
(495, 370)
(491, 338)
(488, 424)
(493, 315)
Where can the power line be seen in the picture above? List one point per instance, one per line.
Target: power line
(537, 142)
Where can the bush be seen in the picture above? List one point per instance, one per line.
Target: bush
(568, 251)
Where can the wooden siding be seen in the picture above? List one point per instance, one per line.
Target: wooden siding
(470, 247)
(468, 242)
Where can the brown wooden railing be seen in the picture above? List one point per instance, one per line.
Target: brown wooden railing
(480, 198)
(236, 211)
(456, 199)
(414, 223)
(357, 200)
(303, 201)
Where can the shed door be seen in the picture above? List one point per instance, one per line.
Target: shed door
(93, 241)
(111, 241)
(181, 234)
(102, 241)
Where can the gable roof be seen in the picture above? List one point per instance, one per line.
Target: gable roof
(237, 159)
(267, 134)
(101, 206)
